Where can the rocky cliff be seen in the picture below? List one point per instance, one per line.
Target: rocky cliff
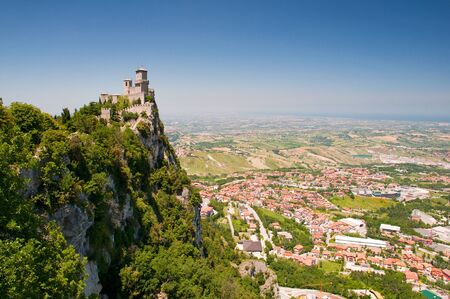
(113, 207)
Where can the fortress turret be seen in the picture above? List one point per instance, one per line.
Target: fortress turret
(141, 80)
(141, 75)
(127, 84)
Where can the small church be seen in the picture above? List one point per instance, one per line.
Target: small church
(140, 90)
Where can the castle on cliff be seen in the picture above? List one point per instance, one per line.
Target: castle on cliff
(140, 90)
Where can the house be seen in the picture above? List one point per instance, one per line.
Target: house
(285, 235)
(374, 250)
(326, 254)
(376, 260)
(389, 263)
(309, 261)
(437, 273)
(411, 277)
(206, 211)
(361, 258)
(251, 246)
(446, 273)
(350, 257)
(394, 264)
(298, 249)
(252, 227)
(275, 226)
(247, 215)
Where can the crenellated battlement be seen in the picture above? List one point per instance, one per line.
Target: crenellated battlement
(139, 108)
(146, 107)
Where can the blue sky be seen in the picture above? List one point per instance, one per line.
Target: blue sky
(305, 57)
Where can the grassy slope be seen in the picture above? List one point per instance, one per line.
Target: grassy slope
(329, 266)
(362, 202)
(214, 163)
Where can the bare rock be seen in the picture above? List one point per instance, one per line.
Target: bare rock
(93, 286)
(74, 223)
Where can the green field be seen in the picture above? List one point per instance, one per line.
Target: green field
(214, 163)
(329, 266)
(241, 145)
(362, 202)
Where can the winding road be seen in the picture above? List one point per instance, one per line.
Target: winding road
(262, 229)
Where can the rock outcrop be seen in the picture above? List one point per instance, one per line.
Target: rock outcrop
(74, 223)
(79, 223)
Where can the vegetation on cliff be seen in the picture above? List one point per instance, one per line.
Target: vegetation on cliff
(35, 259)
(142, 227)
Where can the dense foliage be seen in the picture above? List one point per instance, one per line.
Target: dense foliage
(35, 259)
(391, 285)
(107, 170)
(180, 272)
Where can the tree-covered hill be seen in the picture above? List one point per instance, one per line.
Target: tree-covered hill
(91, 207)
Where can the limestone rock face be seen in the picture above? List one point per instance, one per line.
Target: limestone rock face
(74, 223)
(198, 227)
(93, 286)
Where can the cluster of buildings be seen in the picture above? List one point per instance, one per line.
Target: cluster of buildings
(255, 191)
(359, 181)
(341, 240)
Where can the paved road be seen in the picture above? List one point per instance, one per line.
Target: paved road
(262, 229)
(229, 220)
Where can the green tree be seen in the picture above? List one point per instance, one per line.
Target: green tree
(31, 120)
(65, 115)
(46, 268)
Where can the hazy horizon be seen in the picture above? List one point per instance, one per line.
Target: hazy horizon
(372, 59)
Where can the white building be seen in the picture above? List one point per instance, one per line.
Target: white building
(442, 233)
(357, 225)
(411, 193)
(418, 215)
(285, 235)
(387, 228)
(360, 241)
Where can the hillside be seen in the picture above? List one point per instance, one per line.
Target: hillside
(93, 207)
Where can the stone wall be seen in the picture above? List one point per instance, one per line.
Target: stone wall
(146, 107)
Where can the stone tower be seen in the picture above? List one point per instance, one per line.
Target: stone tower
(141, 80)
(127, 85)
